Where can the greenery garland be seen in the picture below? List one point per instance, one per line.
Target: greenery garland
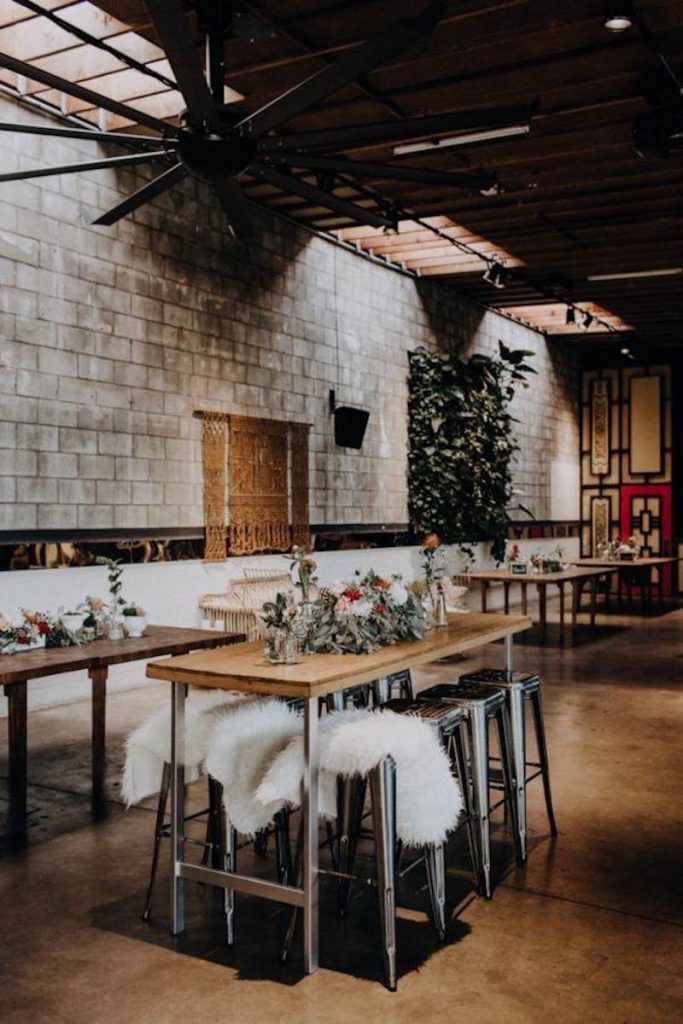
(462, 445)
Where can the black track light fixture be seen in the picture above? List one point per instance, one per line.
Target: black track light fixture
(496, 274)
(570, 316)
(619, 16)
(586, 321)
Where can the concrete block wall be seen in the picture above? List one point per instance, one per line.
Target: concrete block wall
(111, 337)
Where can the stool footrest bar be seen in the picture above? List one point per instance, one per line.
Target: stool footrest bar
(242, 883)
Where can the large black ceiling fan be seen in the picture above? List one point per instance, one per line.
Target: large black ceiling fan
(213, 146)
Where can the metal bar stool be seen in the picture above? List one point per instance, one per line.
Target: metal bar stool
(519, 689)
(482, 704)
(450, 722)
(219, 845)
(398, 684)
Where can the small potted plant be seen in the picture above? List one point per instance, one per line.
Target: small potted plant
(134, 620)
(279, 617)
(72, 620)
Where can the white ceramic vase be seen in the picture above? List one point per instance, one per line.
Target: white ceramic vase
(134, 625)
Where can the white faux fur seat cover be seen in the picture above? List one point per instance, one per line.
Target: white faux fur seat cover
(149, 746)
(428, 798)
(243, 743)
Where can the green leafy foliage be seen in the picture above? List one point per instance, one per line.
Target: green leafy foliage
(461, 443)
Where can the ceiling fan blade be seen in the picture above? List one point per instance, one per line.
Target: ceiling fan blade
(399, 131)
(174, 34)
(35, 74)
(289, 183)
(87, 165)
(390, 172)
(236, 209)
(143, 195)
(342, 72)
(80, 133)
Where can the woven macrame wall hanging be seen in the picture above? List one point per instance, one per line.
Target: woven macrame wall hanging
(265, 465)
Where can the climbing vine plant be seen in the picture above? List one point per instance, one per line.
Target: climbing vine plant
(462, 445)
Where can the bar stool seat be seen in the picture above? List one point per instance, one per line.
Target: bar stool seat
(519, 689)
(482, 703)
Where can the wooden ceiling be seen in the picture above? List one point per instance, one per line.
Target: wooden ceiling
(576, 200)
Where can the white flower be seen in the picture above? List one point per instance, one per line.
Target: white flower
(361, 609)
(399, 592)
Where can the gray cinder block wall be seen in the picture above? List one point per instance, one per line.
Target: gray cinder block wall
(111, 337)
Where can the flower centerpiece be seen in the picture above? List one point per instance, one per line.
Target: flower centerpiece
(515, 563)
(134, 620)
(368, 613)
(95, 613)
(434, 567)
(31, 629)
(628, 550)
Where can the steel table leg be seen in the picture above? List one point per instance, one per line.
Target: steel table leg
(310, 844)
(560, 587)
(484, 595)
(509, 655)
(178, 695)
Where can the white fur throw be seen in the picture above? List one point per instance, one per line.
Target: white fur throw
(428, 797)
(149, 746)
(243, 743)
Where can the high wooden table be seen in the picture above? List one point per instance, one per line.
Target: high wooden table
(641, 568)
(245, 668)
(575, 578)
(16, 671)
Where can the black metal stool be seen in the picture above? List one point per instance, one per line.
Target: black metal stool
(481, 704)
(398, 684)
(521, 688)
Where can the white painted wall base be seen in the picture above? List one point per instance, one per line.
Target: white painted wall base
(169, 591)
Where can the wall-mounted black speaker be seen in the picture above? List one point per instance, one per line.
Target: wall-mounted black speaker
(349, 426)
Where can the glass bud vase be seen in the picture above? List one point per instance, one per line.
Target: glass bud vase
(439, 612)
(115, 627)
(290, 649)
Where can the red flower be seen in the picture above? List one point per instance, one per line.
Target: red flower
(22, 639)
(352, 594)
(380, 584)
(380, 608)
(43, 628)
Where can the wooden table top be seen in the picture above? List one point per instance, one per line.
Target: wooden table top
(157, 640)
(245, 667)
(619, 563)
(566, 576)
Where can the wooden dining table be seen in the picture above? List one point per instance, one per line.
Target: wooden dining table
(17, 670)
(245, 668)
(639, 569)
(574, 578)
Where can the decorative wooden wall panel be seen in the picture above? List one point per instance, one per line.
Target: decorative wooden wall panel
(600, 427)
(626, 441)
(645, 425)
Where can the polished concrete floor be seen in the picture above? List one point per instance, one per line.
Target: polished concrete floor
(590, 930)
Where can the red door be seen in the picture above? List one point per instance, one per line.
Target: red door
(646, 514)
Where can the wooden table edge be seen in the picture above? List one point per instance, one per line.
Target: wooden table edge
(167, 672)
